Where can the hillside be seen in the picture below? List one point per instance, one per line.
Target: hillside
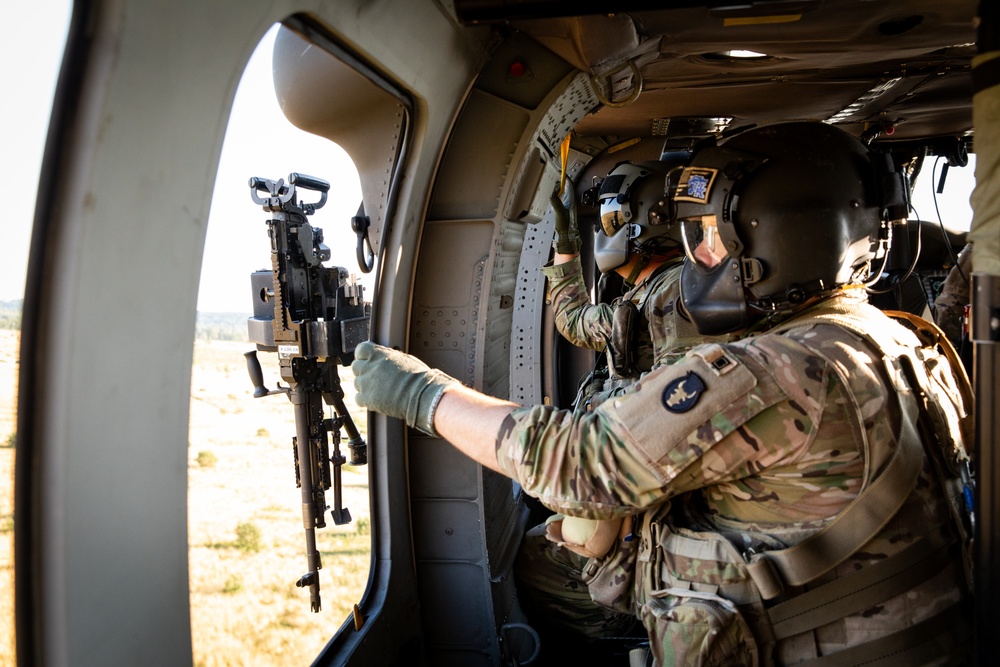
(208, 326)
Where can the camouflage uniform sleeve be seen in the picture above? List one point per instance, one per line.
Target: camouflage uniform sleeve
(581, 322)
(949, 306)
(671, 334)
(686, 426)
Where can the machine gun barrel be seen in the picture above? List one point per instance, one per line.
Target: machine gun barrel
(313, 499)
(313, 317)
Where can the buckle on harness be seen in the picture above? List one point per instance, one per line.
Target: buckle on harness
(765, 576)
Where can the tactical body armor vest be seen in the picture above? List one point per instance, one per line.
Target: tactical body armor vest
(715, 593)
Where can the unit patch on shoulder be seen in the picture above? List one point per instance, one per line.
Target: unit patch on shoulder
(683, 393)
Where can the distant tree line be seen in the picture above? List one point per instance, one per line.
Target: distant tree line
(10, 314)
(208, 326)
(221, 326)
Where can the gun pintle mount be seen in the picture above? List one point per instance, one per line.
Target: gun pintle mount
(314, 317)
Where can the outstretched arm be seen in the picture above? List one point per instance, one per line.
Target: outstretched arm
(471, 422)
(399, 385)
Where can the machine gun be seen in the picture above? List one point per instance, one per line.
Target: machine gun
(314, 317)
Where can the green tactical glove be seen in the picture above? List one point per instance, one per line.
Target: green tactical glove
(567, 234)
(398, 385)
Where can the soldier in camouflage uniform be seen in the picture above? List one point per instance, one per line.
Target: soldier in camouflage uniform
(641, 244)
(638, 241)
(949, 306)
(792, 496)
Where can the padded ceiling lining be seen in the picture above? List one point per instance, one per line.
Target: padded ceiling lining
(817, 66)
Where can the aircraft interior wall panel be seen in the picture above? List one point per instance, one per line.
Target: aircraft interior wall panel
(449, 527)
(453, 597)
(447, 298)
(451, 560)
(505, 523)
(471, 178)
(522, 72)
(109, 390)
(529, 307)
(503, 281)
(426, 480)
(323, 95)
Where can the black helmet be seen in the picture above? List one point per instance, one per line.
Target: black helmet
(778, 215)
(635, 215)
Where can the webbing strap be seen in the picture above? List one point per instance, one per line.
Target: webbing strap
(947, 634)
(937, 338)
(866, 515)
(863, 588)
(852, 529)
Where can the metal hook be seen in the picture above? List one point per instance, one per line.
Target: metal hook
(366, 255)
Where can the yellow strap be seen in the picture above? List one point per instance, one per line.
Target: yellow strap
(564, 157)
(930, 334)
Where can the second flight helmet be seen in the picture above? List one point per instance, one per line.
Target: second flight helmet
(636, 215)
(778, 215)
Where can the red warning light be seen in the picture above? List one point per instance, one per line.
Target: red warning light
(517, 69)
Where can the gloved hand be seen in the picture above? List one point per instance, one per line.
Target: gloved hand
(398, 385)
(567, 232)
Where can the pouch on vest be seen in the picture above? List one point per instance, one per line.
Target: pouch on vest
(591, 385)
(622, 346)
(706, 564)
(611, 578)
(696, 629)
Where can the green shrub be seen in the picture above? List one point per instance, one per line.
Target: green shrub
(363, 526)
(247, 537)
(234, 584)
(206, 459)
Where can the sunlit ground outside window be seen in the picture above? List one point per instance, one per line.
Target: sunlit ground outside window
(37, 52)
(9, 345)
(245, 536)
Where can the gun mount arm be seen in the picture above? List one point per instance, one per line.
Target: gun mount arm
(313, 317)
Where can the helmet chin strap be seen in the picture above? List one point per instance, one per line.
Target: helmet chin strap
(647, 255)
(643, 262)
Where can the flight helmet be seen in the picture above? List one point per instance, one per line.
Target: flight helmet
(778, 215)
(635, 212)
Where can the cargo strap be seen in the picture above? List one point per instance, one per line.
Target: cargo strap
(862, 589)
(853, 528)
(947, 634)
(868, 513)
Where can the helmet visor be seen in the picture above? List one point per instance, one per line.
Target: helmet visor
(702, 243)
(612, 216)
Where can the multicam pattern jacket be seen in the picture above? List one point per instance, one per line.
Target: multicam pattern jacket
(763, 435)
(664, 334)
(756, 441)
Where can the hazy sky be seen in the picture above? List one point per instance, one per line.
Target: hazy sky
(237, 242)
(32, 56)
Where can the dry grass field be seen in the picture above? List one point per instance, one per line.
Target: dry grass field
(245, 536)
(9, 341)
